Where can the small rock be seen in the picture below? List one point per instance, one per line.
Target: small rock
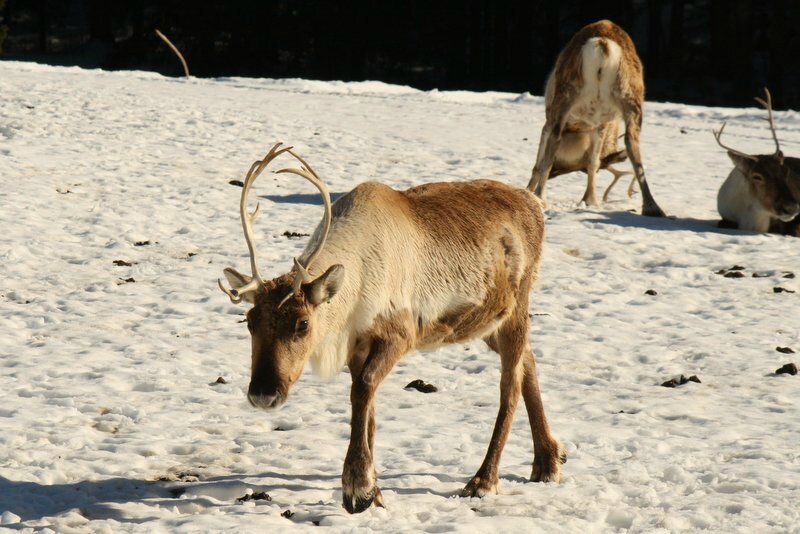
(736, 268)
(141, 243)
(419, 385)
(651, 292)
(237, 183)
(785, 350)
(287, 514)
(779, 289)
(789, 368)
(122, 263)
(788, 274)
(220, 380)
(125, 281)
(760, 275)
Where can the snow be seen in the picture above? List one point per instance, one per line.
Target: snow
(111, 417)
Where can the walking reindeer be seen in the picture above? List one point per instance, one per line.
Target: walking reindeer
(387, 272)
(597, 79)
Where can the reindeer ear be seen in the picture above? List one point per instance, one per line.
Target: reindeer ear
(744, 164)
(326, 286)
(238, 280)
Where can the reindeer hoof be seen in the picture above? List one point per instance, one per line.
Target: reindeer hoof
(357, 504)
(478, 487)
(653, 211)
(548, 469)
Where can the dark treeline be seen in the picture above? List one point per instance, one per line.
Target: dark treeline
(714, 52)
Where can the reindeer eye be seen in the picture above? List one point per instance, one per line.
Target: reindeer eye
(757, 177)
(302, 326)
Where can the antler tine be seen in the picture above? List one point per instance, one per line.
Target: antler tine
(247, 218)
(256, 168)
(718, 134)
(768, 106)
(308, 173)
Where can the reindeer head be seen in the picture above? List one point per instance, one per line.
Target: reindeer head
(282, 321)
(767, 175)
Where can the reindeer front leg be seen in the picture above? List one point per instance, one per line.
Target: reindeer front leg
(359, 480)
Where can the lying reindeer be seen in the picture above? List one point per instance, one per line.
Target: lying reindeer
(761, 193)
(597, 79)
(395, 271)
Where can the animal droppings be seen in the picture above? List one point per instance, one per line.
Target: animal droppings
(675, 382)
(789, 368)
(785, 350)
(123, 263)
(237, 183)
(779, 289)
(256, 496)
(419, 385)
(141, 243)
(287, 514)
(290, 235)
(651, 292)
(734, 274)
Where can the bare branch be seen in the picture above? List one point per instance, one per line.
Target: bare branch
(174, 49)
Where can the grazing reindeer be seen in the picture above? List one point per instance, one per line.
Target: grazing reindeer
(394, 271)
(761, 193)
(597, 79)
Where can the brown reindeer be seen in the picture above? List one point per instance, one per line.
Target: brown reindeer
(597, 79)
(387, 272)
(761, 193)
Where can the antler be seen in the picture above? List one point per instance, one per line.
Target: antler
(235, 294)
(718, 134)
(768, 106)
(308, 173)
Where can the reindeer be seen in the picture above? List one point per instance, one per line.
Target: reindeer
(761, 193)
(597, 79)
(387, 272)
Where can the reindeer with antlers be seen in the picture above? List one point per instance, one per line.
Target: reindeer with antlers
(761, 193)
(387, 272)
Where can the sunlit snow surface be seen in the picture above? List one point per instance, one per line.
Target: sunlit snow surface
(110, 419)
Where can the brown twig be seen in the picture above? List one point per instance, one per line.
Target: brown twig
(174, 49)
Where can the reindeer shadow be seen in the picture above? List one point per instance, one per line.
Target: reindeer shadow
(300, 198)
(628, 219)
(95, 499)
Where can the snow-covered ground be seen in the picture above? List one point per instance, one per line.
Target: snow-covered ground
(110, 415)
